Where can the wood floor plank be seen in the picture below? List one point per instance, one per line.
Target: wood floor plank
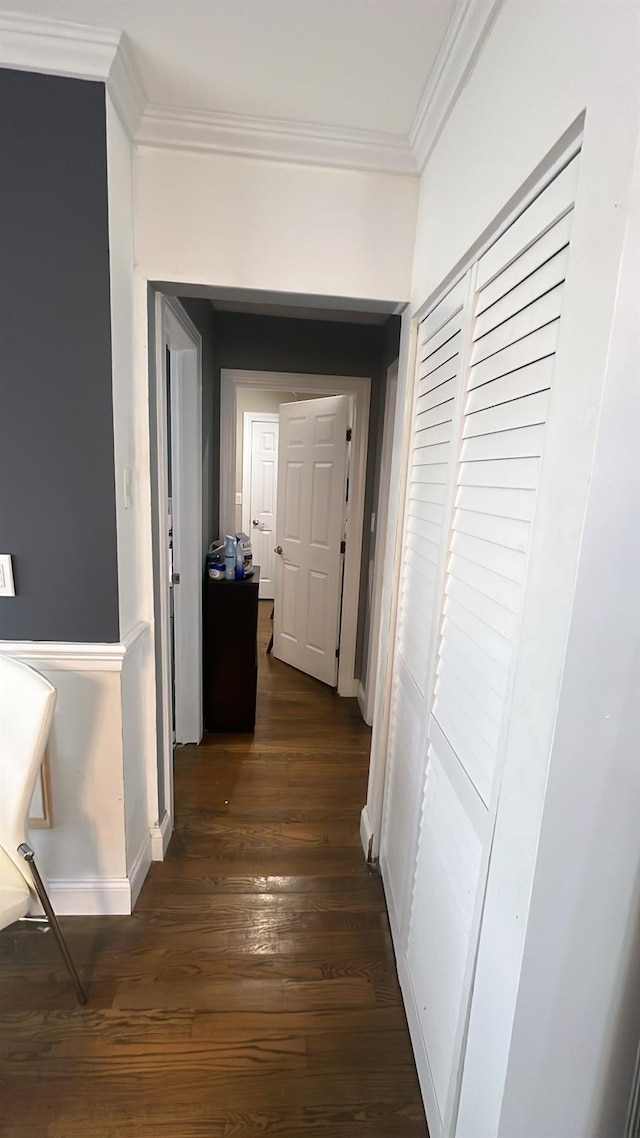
(253, 992)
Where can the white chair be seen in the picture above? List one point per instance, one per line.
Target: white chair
(27, 701)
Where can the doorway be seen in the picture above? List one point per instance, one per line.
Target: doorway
(233, 384)
(236, 339)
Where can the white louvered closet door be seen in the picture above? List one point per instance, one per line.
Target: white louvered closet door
(427, 507)
(517, 299)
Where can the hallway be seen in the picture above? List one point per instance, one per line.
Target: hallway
(254, 989)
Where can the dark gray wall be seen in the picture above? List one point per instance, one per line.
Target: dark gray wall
(267, 343)
(57, 494)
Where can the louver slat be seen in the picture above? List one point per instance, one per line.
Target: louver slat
(431, 452)
(506, 408)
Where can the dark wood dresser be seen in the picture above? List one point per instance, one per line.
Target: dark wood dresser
(231, 654)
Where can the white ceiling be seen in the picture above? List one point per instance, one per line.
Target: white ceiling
(356, 64)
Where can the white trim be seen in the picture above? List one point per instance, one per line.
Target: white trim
(163, 677)
(359, 387)
(468, 30)
(125, 87)
(57, 47)
(284, 140)
(185, 346)
(380, 538)
(140, 868)
(377, 785)
(90, 896)
(160, 837)
(61, 656)
(170, 318)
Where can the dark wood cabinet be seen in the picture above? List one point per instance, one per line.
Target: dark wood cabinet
(231, 654)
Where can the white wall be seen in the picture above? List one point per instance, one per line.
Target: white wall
(246, 223)
(542, 67)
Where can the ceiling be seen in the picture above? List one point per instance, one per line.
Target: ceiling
(352, 64)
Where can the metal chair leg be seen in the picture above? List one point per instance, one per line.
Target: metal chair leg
(28, 855)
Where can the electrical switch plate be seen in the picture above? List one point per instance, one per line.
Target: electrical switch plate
(7, 588)
(238, 499)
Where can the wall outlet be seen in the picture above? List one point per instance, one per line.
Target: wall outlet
(7, 587)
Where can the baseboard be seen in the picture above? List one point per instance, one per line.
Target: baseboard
(90, 896)
(140, 869)
(362, 704)
(160, 837)
(366, 831)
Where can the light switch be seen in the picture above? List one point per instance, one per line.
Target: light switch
(7, 588)
(238, 499)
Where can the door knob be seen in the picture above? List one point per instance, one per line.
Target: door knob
(255, 522)
(278, 549)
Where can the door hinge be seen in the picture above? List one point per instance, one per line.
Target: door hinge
(337, 653)
(343, 547)
(348, 434)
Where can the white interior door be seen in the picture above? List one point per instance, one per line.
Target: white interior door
(311, 511)
(182, 428)
(259, 488)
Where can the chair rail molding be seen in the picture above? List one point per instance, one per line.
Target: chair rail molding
(63, 656)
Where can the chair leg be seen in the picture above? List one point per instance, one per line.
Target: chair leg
(28, 855)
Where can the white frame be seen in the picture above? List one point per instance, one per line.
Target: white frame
(359, 388)
(175, 331)
(382, 509)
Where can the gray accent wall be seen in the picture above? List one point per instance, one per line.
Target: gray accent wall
(57, 492)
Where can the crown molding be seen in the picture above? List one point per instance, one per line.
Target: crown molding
(56, 47)
(125, 88)
(102, 54)
(175, 128)
(468, 30)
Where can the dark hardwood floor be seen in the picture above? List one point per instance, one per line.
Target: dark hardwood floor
(253, 991)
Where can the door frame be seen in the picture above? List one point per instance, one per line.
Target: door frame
(175, 331)
(367, 705)
(359, 388)
(249, 418)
